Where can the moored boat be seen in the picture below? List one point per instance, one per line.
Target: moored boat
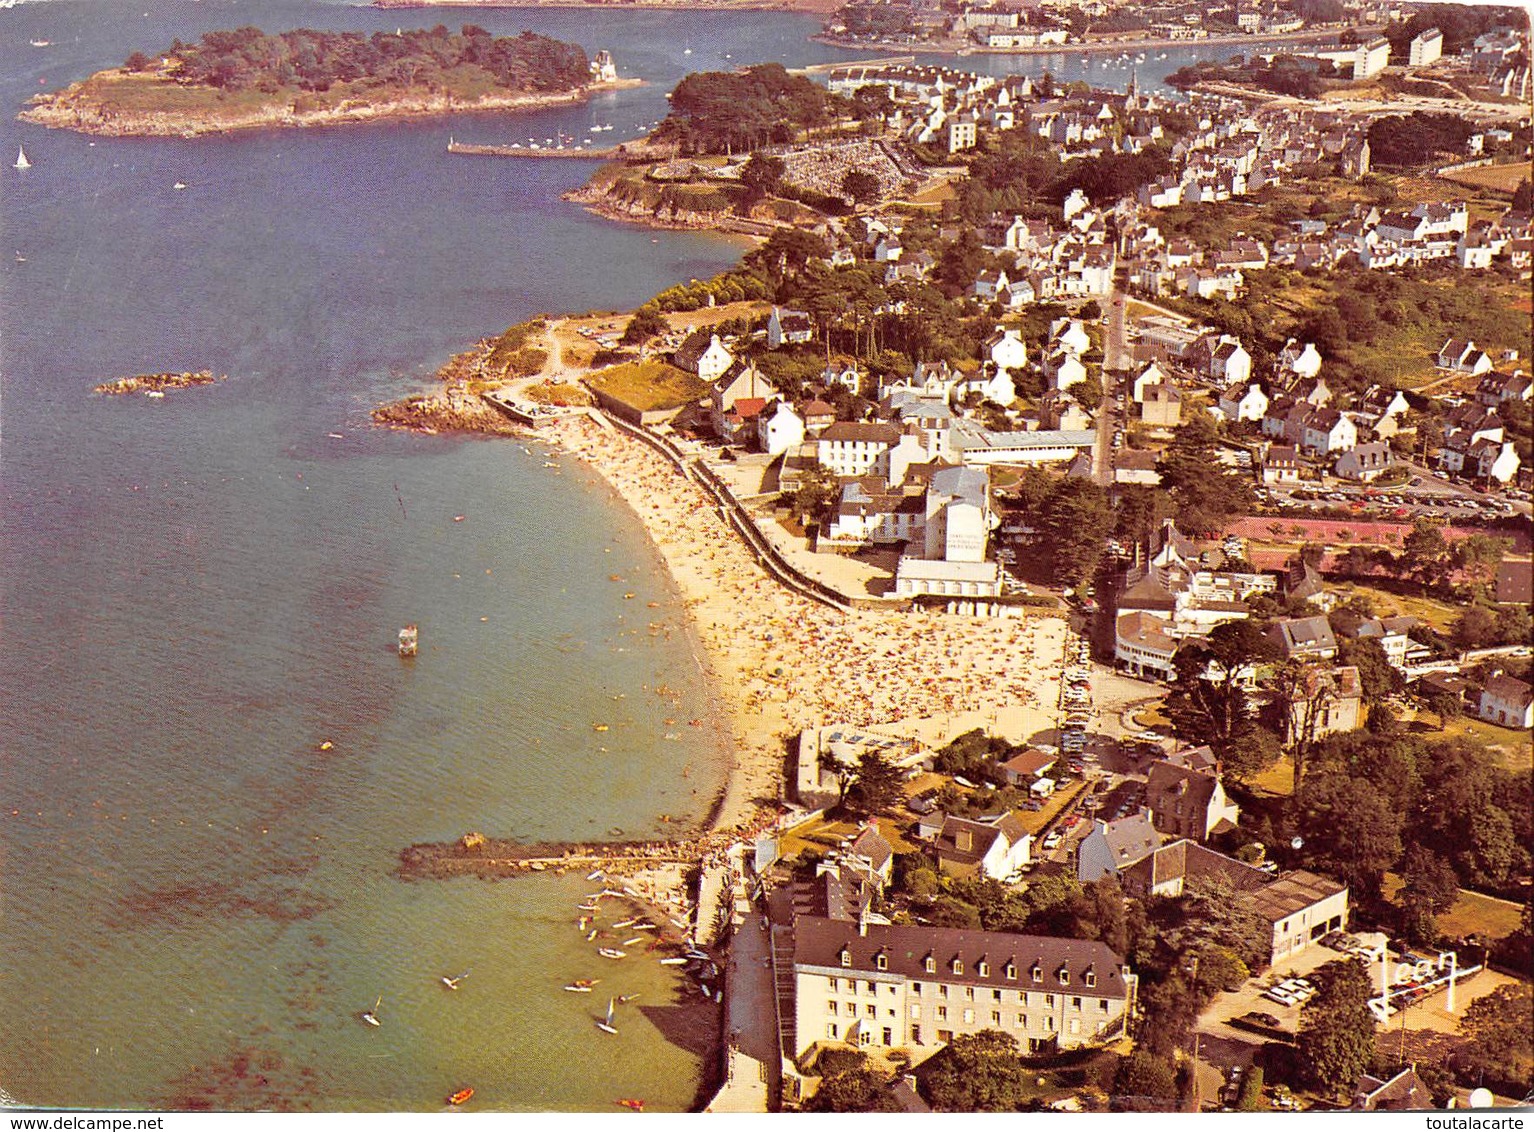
(611, 953)
(607, 1024)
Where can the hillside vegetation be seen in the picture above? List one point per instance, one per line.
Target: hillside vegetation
(305, 60)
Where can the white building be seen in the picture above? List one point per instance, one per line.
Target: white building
(1426, 48)
(1244, 404)
(916, 987)
(998, 849)
(1507, 701)
(850, 448)
(1370, 58)
(959, 517)
(780, 431)
(1143, 646)
(703, 354)
(1065, 369)
(1006, 349)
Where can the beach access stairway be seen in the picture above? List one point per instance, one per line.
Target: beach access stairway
(737, 516)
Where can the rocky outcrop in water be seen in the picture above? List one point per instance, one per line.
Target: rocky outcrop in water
(157, 382)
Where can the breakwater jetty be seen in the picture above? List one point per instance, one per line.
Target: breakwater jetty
(474, 854)
(465, 148)
(703, 913)
(638, 150)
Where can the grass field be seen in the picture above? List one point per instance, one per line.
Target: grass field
(1472, 913)
(1498, 178)
(650, 385)
(1507, 748)
(1278, 780)
(1438, 614)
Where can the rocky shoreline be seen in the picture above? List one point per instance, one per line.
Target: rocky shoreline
(82, 107)
(601, 201)
(157, 383)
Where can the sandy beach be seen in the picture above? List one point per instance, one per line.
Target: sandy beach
(781, 663)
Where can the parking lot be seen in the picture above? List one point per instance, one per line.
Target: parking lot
(1238, 1045)
(1421, 496)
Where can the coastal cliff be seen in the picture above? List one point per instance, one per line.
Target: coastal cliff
(246, 79)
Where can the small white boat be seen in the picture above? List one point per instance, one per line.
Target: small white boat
(336, 435)
(595, 874)
(179, 185)
(42, 43)
(588, 907)
(452, 983)
(155, 394)
(632, 942)
(607, 1024)
(591, 935)
(21, 159)
(623, 924)
(673, 962)
(611, 953)
(581, 986)
(371, 1016)
(718, 996)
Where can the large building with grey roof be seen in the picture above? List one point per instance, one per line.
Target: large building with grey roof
(915, 988)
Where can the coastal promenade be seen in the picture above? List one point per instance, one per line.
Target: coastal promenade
(753, 1068)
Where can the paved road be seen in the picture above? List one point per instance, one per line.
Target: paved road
(753, 1068)
(1116, 357)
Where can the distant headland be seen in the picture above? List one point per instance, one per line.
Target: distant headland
(244, 79)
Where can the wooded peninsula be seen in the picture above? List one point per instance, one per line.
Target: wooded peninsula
(246, 78)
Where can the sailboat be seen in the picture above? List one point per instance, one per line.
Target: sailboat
(21, 159)
(371, 1016)
(452, 983)
(607, 1025)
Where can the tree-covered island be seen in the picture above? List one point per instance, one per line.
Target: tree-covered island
(246, 78)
